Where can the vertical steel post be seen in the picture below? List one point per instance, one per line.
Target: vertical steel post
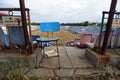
(24, 22)
(102, 24)
(108, 25)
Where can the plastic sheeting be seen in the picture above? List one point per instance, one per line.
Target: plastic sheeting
(49, 26)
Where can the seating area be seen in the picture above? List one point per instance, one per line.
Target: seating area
(49, 27)
(90, 53)
(82, 42)
(98, 42)
(88, 40)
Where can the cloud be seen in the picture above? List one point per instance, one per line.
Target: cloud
(64, 10)
(9, 3)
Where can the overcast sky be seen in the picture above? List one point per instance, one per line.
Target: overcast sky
(64, 10)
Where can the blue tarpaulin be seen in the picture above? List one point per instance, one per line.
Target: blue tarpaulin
(49, 26)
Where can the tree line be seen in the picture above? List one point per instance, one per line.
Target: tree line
(85, 23)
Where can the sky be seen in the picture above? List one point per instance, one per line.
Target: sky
(64, 11)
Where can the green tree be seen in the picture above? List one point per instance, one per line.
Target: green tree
(86, 23)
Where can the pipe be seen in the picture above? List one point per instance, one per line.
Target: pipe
(108, 25)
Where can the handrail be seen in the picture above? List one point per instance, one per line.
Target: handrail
(13, 9)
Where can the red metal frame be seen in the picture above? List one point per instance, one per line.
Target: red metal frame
(28, 40)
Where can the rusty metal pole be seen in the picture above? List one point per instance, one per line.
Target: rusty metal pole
(24, 22)
(30, 32)
(108, 25)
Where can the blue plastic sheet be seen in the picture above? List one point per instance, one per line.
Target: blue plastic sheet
(116, 41)
(16, 35)
(4, 38)
(49, 26)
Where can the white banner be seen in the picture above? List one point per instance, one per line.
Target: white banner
(116, 23)
(12, 20)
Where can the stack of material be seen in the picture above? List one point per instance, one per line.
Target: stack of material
(51, 53)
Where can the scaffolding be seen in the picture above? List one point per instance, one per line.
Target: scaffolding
(26, 30)
(105, 17)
